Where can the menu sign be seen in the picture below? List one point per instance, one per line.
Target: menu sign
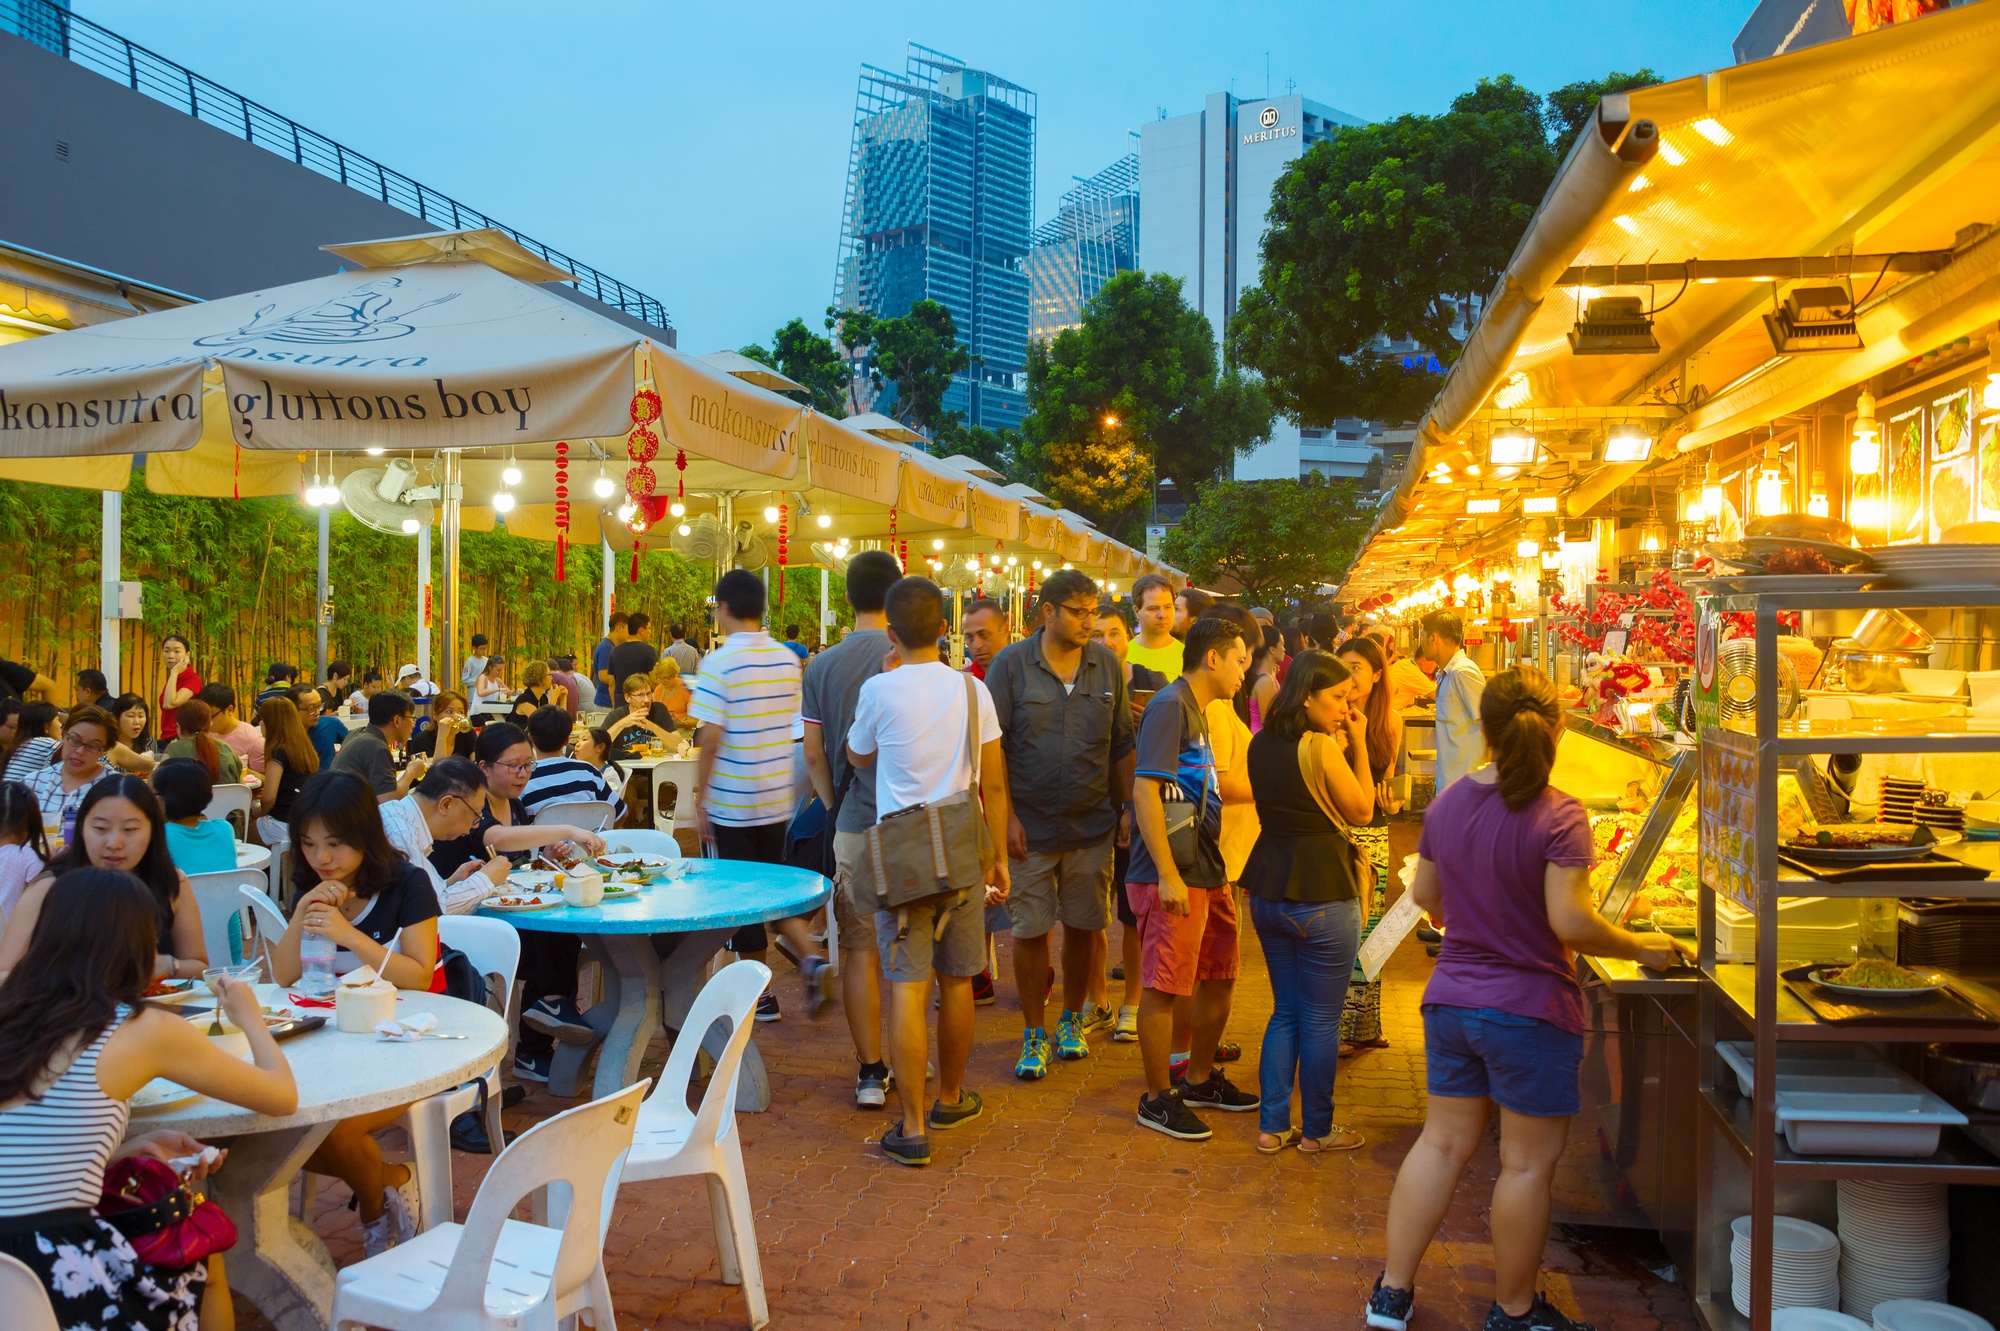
(1729, 814)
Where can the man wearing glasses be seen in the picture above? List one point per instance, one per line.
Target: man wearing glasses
(640, 721)
(367, 752)
(444, 806)
(1067, 733)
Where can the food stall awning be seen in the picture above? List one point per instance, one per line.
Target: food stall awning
(1885, 144)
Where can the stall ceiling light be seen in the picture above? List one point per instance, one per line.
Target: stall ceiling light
(1511, 448)
(1627, 443)
(1539, 504)
(1527, 547)
(1482, 506)
(1671, 155)
(1712, 130)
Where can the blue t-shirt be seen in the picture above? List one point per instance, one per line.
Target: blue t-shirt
(798, 648)
(327, 732)
(207, 847)
(1173, 747)
(600, 661)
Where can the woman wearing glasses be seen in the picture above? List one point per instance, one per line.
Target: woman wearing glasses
(548, 961)
(87, 736)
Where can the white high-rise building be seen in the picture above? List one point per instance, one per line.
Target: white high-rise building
(1206, 178)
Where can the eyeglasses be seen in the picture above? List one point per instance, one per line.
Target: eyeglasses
(82, 746)
(1083, 612)
(522, 768)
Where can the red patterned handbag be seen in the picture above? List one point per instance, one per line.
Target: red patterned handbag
(166, 1224)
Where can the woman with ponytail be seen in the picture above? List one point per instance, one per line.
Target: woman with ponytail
(1504, 863)
(191, 719)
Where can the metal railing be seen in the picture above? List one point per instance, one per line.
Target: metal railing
(99, 49)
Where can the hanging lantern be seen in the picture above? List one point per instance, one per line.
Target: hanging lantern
(639, 482)
(784, 528)
(562, 504)
(680, 466)
(236, 478)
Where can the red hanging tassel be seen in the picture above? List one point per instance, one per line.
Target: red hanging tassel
(635, 559)
(236, 479)
(562, 505)
(784, 517)
(681, 466)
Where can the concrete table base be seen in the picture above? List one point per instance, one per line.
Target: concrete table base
(278, 1263)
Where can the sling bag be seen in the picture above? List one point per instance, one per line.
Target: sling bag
(934, 853)
(1361, 868)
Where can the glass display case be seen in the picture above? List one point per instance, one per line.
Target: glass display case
(1637, 790)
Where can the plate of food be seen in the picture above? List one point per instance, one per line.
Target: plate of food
(1863, 843)
(1677, 920)
(174, 992)
(159, 1093)
(625, 859)
(531, 880)
(1873, 977)
(620, 890)
(523, 902)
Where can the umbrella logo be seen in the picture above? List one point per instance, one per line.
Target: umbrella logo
(1268, 117)
(367, 313)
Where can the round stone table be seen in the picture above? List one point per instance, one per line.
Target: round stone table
(654, 951)
(278, 1263)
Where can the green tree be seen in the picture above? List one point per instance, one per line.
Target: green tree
(917, 354)
(998, 449)
(1277, 540)
(1131, 392)
(1389, 230)
(1571, 106)
(809, 358)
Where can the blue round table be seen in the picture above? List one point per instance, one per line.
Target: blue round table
(698, 913)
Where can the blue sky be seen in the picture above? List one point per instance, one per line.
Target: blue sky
(699, 151)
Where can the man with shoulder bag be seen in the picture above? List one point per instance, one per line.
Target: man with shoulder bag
(932, 737)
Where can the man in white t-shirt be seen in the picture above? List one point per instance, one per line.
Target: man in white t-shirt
(910, 725)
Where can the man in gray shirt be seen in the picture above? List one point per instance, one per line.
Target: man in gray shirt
(685, 654)
(832, 687)
(366, 752)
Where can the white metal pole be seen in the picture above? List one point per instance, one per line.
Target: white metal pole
(110, 572)
(424, 596)
(825, 619)
(610, 578)
(452, 491)
(319, 610)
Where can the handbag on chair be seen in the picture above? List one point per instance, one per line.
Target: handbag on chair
(929, 853)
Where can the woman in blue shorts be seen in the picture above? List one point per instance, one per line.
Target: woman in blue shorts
(1505, 862)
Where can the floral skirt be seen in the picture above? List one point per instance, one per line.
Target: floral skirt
(94, 1279)
(1361, 1017)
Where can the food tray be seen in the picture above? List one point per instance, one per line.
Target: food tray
(1903, 1120)
(1932, 868)
(1944, 1008)
(1801, 1060)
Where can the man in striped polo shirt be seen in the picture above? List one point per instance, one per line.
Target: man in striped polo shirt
(747, 700)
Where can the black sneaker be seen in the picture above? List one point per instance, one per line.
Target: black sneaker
(532, 1067)
(944, 1116)
(1218, 1092)
(915, 1151)
(1541, 1316)
(468, 1134)
(982, 989)
(1166, 1112)
(1389, 1309)
(819, 977)
(767, 1008)
(871, 1088)
(559, 1018)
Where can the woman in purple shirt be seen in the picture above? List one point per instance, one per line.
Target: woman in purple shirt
(1504, 863)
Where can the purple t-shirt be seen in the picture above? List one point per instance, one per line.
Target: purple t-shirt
(1499, 949)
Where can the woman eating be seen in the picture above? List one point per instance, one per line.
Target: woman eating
(1305, 880)
(120, 825)
(446, 726)
(536, 690)
(671, 691)
(76, 1044)
(132, 746)
(1504, 864)
(289, 759)
(492, 681)
(548, 961)
(191, 720)
(62, 787)
(379, 911)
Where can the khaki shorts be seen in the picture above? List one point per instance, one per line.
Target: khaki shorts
(856, 923)
(1073, 886)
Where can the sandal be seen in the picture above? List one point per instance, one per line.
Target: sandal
(1289, 1137)
(1340, 1139)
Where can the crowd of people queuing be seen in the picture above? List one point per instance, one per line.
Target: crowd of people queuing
(1177, 771)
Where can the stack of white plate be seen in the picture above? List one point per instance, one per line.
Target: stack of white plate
(1919, 1315)
(1814, 1319)
(1895, 1243)
(1939, 565)
(1805, 1264)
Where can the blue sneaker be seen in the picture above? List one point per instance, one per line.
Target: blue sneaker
(1070, 1043)
(559, 1018)
(1034, 1061)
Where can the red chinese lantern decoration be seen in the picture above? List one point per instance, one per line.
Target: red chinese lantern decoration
(562, 504)
(784, 528)
(892, 529)
(681, 466)
(236, 477)
(642, 446)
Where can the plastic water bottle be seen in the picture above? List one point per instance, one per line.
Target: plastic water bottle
(316, 966)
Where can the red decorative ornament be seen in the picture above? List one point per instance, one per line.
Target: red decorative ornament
(784, 519)
(636, 539)
(236, 479)
(639, 482)
(562, 505)
(681, 466)
(645, 406)
(903, 555)
(642, 445)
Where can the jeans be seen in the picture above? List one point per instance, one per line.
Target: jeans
(1309, 949)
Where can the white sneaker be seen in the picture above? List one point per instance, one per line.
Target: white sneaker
(377, 1235)
(402, 1200)
(1127, 1030)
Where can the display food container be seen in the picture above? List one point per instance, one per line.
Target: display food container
(1860, 670)
(1934, 683)
(1966, 1075)
(1867, 1116)
(1886, 630)
(1802, 1060)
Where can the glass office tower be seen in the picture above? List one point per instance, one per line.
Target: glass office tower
(940, 193)
(1093, 237)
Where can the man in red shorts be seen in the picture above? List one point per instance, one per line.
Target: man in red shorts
(1187, 916)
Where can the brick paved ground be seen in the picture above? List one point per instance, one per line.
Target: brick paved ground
(1055, 1209)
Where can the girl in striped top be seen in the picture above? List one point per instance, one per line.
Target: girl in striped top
(76, 1043)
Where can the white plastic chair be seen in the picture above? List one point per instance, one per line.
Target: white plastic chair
(217, 896)
(497, 1272)
(642, 841)
(270, 918)
(592, 815)
(231, 800)
(494, 948)
(24, 1297)
(670, 1142)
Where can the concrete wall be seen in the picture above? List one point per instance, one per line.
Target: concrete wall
(96, 173)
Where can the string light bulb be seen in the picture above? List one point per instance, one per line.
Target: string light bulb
(684, 529)
(510, 476)
(503, 502)
(677, 508)
(1816, 502)
(770, 513)
(1771, 485)
(625, 512)
(602, 486)
(410, 526)
(825, 520)
(1864, 455)
(1711, 491)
